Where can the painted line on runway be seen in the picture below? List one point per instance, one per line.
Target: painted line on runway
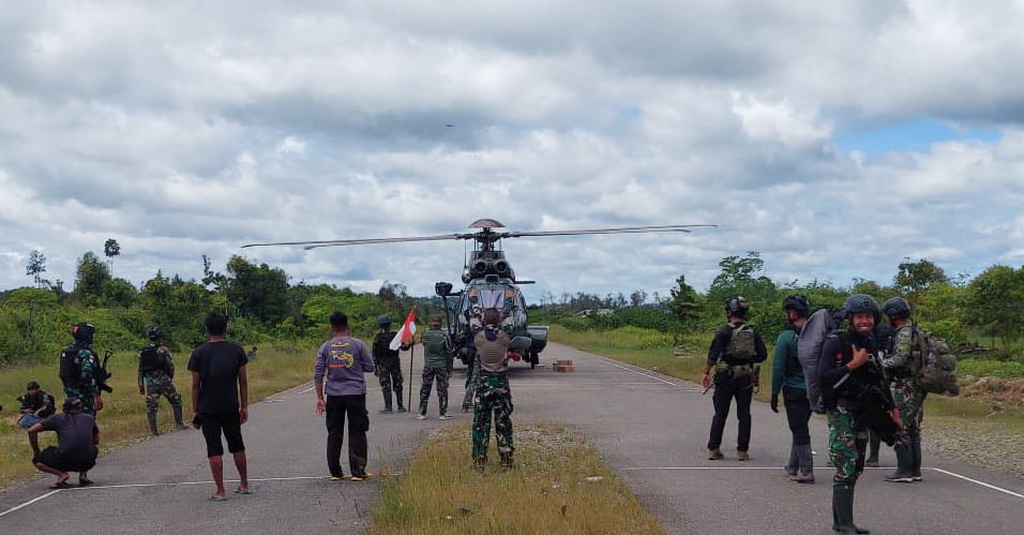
(521, 385)
(740, 468)
(30, 502)
(659, 379)
(178, 484)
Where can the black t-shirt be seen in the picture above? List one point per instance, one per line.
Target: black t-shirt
(74, 434)
(218, 364)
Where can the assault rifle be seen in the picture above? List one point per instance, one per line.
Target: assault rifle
(102, 375)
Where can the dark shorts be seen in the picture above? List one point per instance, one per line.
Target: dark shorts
(214, 423)
(65, 463)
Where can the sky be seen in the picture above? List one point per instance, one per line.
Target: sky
(835, 138)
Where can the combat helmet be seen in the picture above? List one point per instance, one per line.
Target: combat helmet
(799, 304)
(384, 321)
(155, 333)
(737, 307)
(896, 307)
(83, 332)
(861, 303)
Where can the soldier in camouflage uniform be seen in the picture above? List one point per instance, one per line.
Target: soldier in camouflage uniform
(388, 365)
(493, 394)
(437, 365)
(850, 377)
(908, 396)
(79, 367)
(156, 378)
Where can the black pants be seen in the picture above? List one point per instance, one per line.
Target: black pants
(358, 423)
(798, 413)
(725, 390)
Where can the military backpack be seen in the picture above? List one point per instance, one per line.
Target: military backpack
(71, 367)
(741, 343)
(932, 364)
(149, 359)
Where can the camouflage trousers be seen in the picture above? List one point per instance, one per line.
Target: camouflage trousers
(910, 401)
(160, 385)
(88, 399)
(390, 377)
(492, 396)
(430, 374)
(846, 446)
(472, 380)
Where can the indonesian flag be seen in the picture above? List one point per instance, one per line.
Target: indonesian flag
(408, 329)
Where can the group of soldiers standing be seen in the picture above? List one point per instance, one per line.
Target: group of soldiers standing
(867, 386)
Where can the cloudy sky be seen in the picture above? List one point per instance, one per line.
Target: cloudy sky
(836, 138)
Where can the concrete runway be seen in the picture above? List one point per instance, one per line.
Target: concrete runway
(650, 428)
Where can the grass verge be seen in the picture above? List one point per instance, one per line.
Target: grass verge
(559, 486)
(123, 417)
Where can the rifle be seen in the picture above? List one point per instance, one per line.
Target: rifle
(756, 377)
(102, 374)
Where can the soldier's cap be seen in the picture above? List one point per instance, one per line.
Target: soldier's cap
(32, 385)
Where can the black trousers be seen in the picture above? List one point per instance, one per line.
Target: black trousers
(798, 413)
(726, 389)
(338, 407)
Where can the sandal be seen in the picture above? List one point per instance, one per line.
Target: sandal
(61, 485)
(84, 482)
(216, 499)
(240, 491)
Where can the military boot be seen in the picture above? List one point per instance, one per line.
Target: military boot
(387, 404)
(842, 512)
(915, 464)
(398, 398)
(903, 465)
(178, 421)
(152, 423)
(506, 461)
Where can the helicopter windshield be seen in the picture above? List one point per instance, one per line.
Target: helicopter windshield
(504, 297)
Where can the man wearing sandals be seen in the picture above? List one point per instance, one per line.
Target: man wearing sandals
(76, 450)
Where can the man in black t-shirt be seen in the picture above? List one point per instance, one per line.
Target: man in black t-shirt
(76, 450)
(220, 400)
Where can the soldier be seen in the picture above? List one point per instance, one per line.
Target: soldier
(437, 364)
(469, 358)
(733, 353)
(388, 365)
(788, 378)
(909, 398)
(36, 405)
(156, 378)
(493, 394)
(855, 394)
(78, 368)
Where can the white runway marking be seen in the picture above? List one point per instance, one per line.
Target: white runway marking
(631, 370)
(178, 484)
(740, 468)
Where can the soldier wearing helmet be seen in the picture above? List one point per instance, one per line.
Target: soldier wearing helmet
(735, 349)
(788, 379)
(909, 397)
(156, 379)
(389, 365)
(79, 369)
(856, 397)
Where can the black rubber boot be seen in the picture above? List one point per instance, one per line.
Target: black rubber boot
(398, 398)
(874, 443)
(842, 512)
(915, 464)
(387, 403)
(178, 422)
(903, 465)
(506, 461)
(152, 423)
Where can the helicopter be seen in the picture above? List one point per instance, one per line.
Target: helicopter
(490, 281)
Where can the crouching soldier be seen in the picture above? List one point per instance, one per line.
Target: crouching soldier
(36, 405)
(156, 378)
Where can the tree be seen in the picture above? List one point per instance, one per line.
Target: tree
(259, 292)
(110, 250)
(995, 302)
(913, 277)
(36, 266)
(685, 301)
(90, 277)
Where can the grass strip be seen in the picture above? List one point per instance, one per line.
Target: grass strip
(559, 486)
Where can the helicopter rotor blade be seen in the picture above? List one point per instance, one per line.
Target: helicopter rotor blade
(362, 241)
(614, 230)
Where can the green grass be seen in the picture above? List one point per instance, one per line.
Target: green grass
(124, 415)
(559, 486)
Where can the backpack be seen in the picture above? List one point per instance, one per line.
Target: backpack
(71, 367)
(810, 340)
(741, 343)
(932, 364)
(149, 359)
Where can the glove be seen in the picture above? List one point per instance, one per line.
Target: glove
(775, 403)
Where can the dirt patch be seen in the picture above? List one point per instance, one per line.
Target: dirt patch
(996, 389)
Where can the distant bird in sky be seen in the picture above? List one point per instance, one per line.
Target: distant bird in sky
(449, 126)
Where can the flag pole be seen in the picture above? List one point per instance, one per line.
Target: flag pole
(412, 355)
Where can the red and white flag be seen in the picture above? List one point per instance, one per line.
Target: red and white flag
(408, 329)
